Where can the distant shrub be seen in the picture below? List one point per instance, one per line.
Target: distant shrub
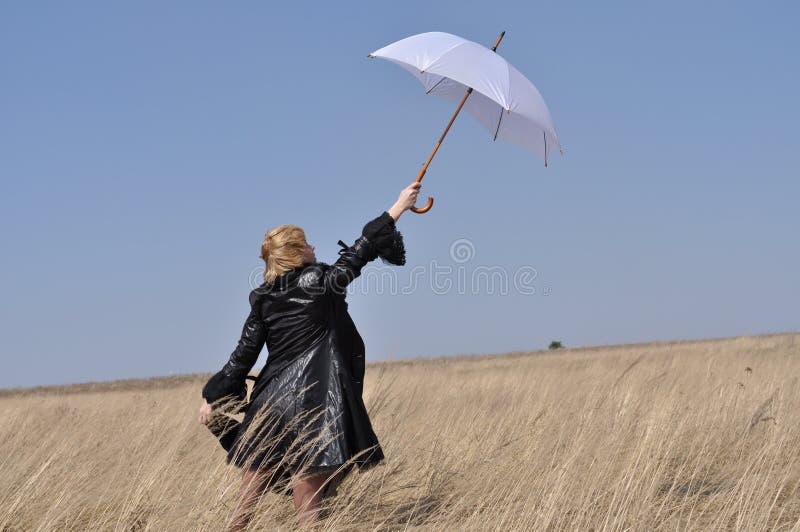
(555, 344)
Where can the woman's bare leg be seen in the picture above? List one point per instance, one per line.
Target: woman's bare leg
(307, 491)
(254, 483)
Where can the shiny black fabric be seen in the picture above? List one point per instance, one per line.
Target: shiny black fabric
(311, 386)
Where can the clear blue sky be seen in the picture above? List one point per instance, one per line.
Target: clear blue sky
(145, 149)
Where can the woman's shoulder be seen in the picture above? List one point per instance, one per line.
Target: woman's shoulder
(312, 274)
(258, 292)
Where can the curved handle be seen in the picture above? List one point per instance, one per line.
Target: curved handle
(423, 210)
(427, 207)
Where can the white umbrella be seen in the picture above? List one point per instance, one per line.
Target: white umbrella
(504, 100)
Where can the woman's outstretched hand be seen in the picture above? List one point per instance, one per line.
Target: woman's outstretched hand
(204, 416)
(406, 200)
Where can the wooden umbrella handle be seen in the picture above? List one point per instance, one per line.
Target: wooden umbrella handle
(427, 207)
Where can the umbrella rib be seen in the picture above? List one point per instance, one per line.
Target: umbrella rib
(544, 136)
(496, 131)
(436, 85)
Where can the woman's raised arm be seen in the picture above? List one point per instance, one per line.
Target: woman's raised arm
(379, 238)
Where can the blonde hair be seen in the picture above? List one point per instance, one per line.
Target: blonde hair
(284, 248)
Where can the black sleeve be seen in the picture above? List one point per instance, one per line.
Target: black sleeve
(230, 380)
(379, 238)
(388, 241)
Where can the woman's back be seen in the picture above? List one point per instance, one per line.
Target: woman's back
(299, 312)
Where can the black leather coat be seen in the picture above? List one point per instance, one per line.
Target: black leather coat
(309, 391)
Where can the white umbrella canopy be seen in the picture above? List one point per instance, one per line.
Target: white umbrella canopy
(503, 100)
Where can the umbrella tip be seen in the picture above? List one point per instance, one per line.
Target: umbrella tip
(370, 56)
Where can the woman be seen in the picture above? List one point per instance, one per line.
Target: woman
(306, 419)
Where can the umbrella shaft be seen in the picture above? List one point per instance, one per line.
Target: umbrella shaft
(435, 149)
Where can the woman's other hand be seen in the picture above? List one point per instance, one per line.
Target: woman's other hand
(406, 200)
(204, 416)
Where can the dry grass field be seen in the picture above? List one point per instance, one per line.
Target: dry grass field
(672, 436)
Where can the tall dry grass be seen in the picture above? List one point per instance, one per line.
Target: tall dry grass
(644, 437)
